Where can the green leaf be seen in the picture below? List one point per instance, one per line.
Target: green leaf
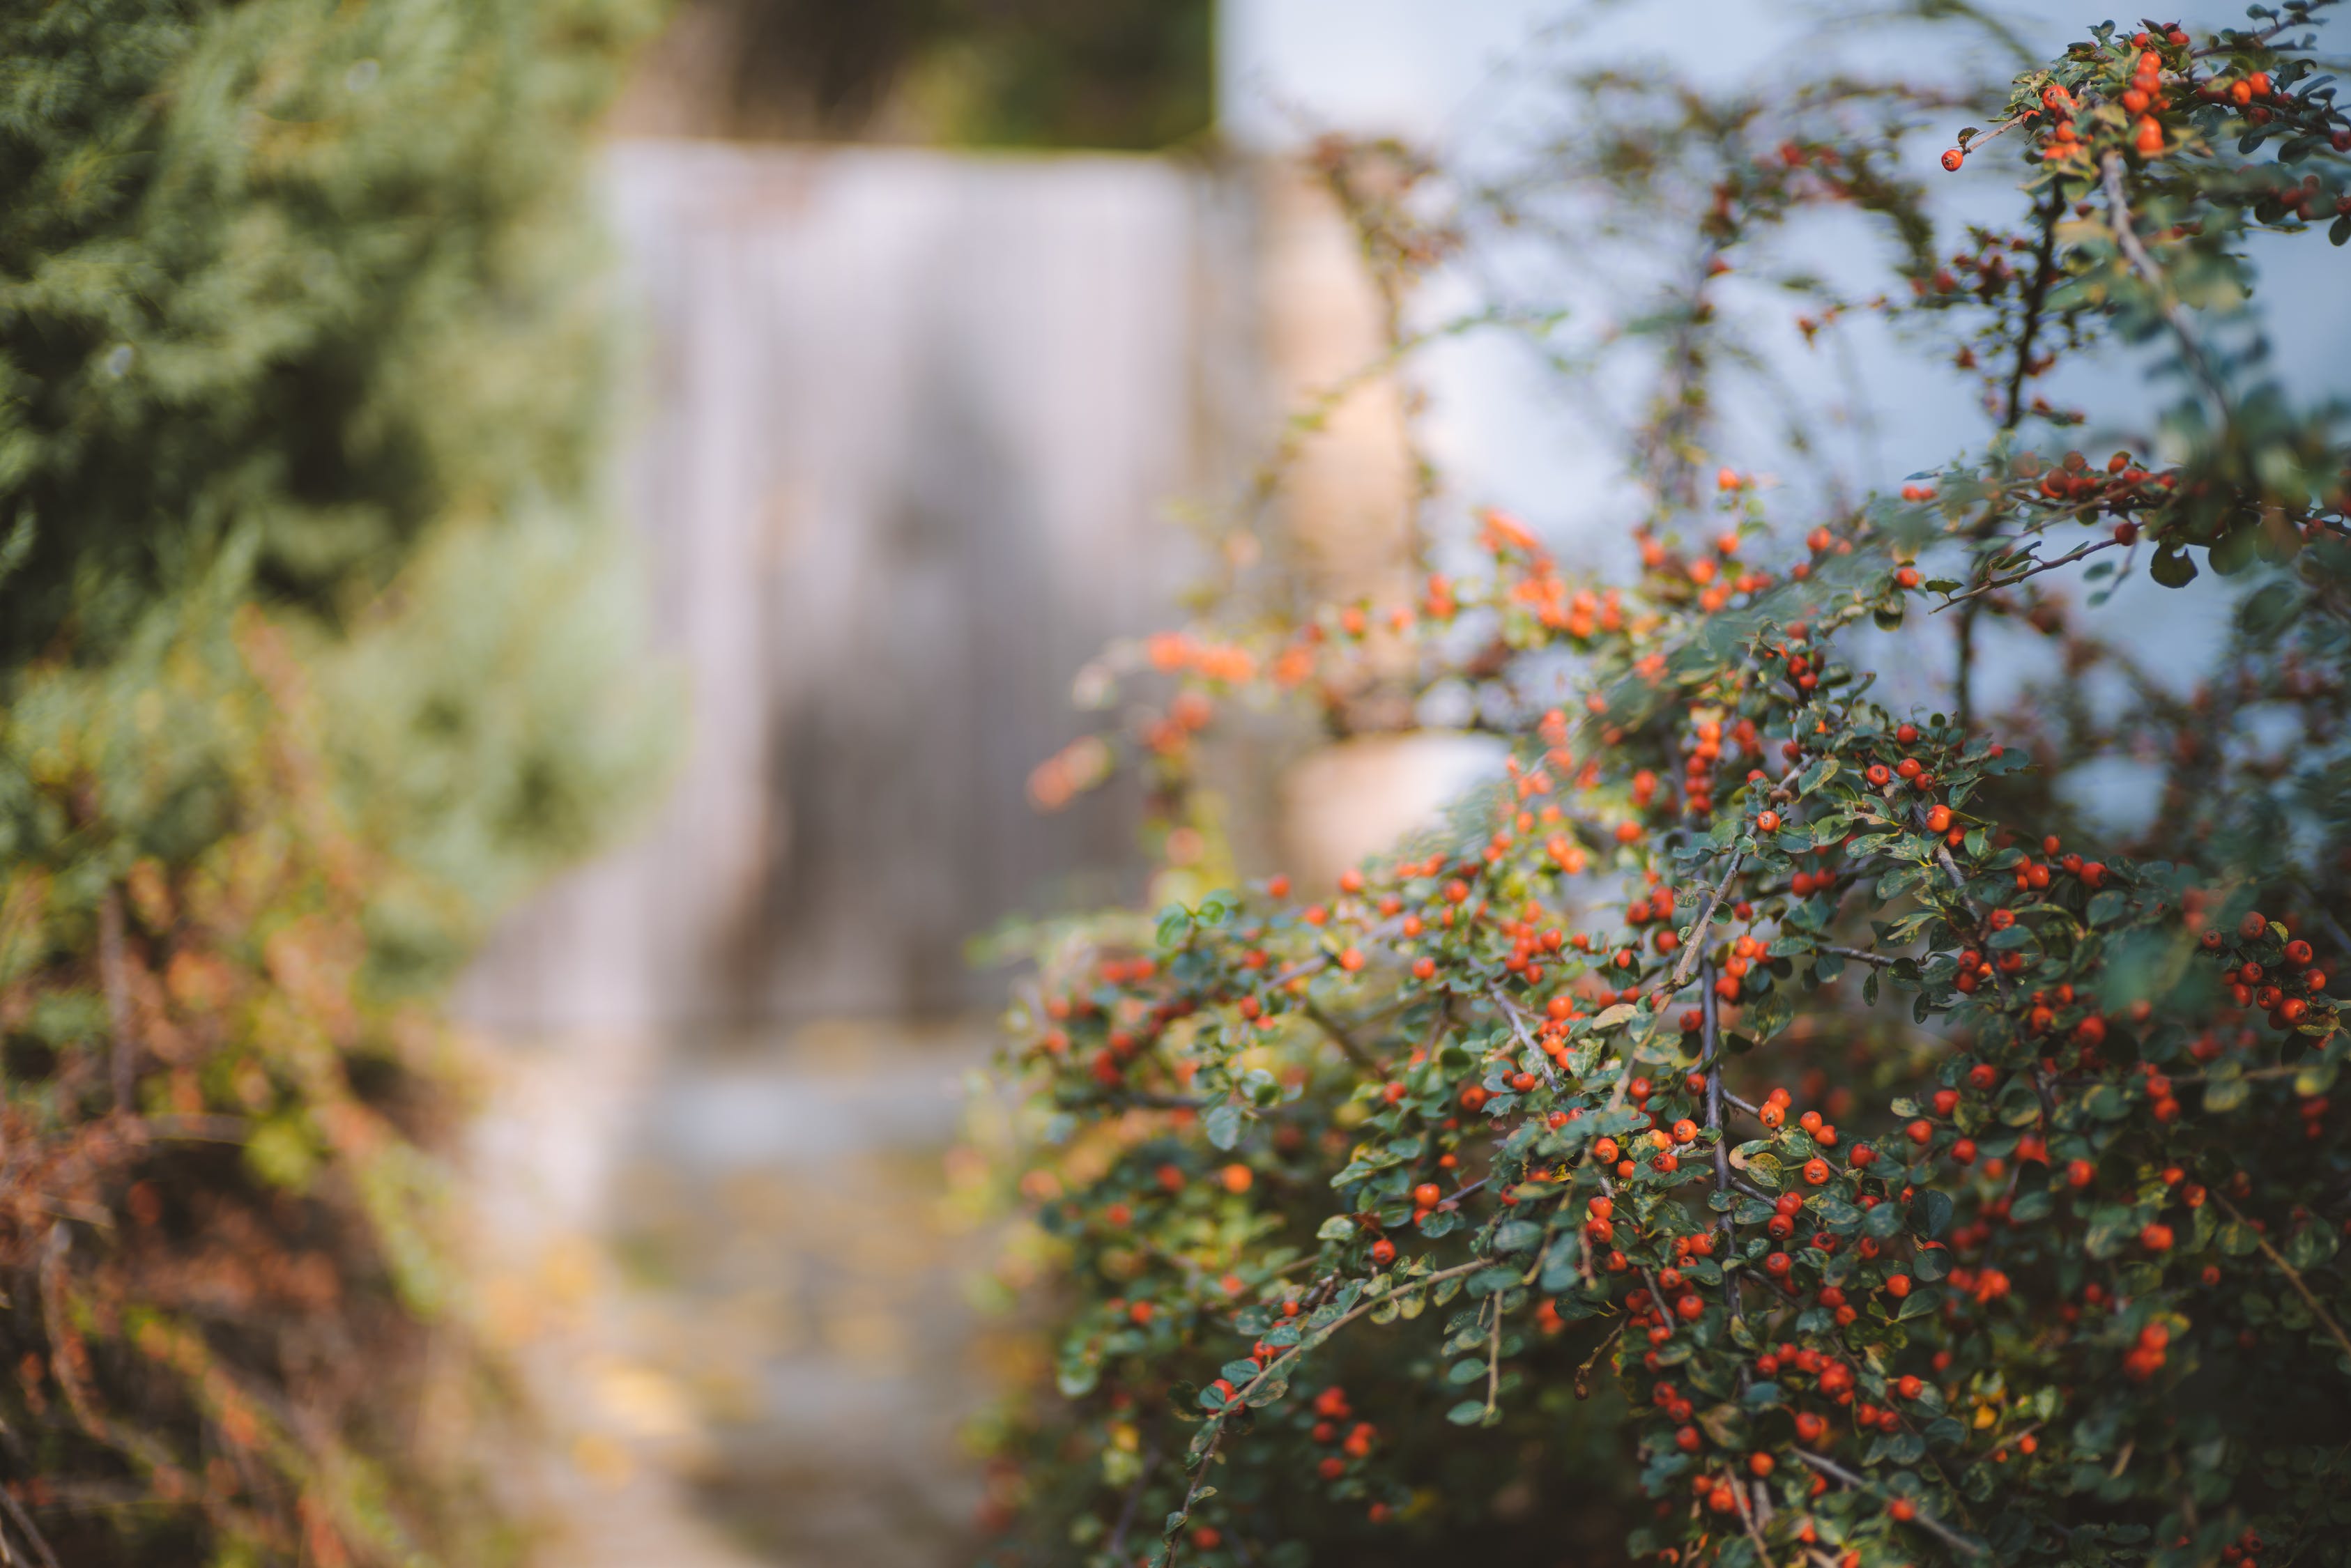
(1486, 1281)
(2310, 1246)
(2233, 553)
(1223, 1124)
(1468, 1412)
(1516, 1236)
(2171, 567)
(2106, 1103)
(2110, 1227)
(1766, 1017)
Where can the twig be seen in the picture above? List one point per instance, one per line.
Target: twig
(1240, 1396)
(2332, 929)
(1921, 1518)
(2035, 570)
(1133, 1501)
(111, 967)
(1712, 1056)
(2246, 1076)
(2045, 273)
(1747, 1519)
(197, 1129)
(1966, 901)
(2292, 1276)
(2318, 1494)
(1494, 1358)
(1584, 1372)
(1145, 1100)
(2126, 237)
(1860, 955)
(1339, 1035)
(1515, 1017)
(2036, 297)
(2239, 40)
(32, 1533)
(1691, 948)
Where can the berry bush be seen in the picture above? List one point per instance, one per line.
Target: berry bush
(1769, 1125)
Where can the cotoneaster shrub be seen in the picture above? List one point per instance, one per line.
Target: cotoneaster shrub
(1765, 1128)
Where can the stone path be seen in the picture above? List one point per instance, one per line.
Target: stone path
(740, 1283)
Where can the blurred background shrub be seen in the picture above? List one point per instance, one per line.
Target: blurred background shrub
(311, 659)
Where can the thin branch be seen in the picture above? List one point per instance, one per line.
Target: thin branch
(111, 965)
(1339, 1035)
(197, 1129)
(1494, 1358)
(1143, 1100)
(2036, 296)
(2126, 237)
(1240, 1395)
(1712, 1056)
(1691, 948)
(1860, 955)
(25, 1523)
(2292, 1276)
(1991, 584)
(1921, 1518)
(2342, 939)
(1747, 1519)
(1584, 1372)
(1133, 1501)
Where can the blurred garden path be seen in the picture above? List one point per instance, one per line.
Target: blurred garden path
(760, 1352)
(910, 424)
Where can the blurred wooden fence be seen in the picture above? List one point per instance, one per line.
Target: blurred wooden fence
(909, 426)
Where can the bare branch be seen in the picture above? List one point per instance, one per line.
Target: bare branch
(1991, 584)
(1922, 1518)
(2126, 237)
(1691, 948)
(113, 967)
(1339, 1035)
(2292, 1277)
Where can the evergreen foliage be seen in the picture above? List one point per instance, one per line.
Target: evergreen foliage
(313, 655)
